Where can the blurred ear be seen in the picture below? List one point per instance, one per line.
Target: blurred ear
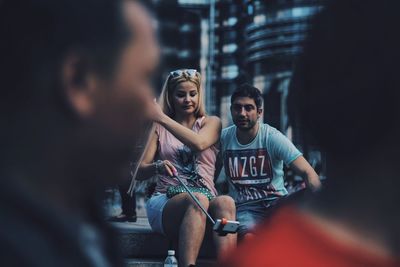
(79, 85)
(259, 112)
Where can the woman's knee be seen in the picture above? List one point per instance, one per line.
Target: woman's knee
(223, 206)
(225, 203)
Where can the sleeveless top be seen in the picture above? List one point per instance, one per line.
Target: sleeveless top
(196, 168)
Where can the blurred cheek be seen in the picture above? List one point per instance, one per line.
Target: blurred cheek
(126, 104)
(135, 93)
(143, 99)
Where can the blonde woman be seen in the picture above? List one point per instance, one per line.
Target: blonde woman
(184, 138)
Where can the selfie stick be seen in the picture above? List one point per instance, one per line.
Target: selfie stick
(223, 226)
(193, 197)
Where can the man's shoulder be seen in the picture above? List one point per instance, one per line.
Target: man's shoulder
(269, 130)
(266, 127)
(228, 131)
(272, 136)
(265, 130)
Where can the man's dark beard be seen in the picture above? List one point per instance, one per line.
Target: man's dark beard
(246, 129)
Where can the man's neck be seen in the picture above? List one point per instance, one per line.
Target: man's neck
(247, 136)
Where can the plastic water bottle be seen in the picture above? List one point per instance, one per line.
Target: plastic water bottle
(171, 261)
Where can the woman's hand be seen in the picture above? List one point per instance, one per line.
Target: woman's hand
(155, 112)
(164, 167)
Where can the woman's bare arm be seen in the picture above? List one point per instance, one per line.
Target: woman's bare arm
(148, 168)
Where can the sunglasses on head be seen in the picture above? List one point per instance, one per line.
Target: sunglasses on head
(178, 73)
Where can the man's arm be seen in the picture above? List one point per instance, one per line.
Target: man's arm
(304, 169)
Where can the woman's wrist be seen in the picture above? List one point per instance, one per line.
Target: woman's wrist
(162, 119)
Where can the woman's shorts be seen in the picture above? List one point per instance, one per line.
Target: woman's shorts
(154, 208)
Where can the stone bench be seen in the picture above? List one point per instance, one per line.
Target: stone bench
(141, 245)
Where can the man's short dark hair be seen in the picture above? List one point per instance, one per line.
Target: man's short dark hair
(247, 90)
(37, 35)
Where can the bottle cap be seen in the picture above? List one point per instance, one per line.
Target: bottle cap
(171, 252)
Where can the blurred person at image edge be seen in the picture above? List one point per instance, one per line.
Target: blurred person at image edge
(345, 93)
(75, 87)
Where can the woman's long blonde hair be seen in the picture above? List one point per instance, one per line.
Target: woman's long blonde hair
(169, 87)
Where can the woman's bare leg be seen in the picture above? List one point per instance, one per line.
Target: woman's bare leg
(185, 224)
(223, 207)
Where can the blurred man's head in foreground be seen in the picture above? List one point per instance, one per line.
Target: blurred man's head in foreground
(75, 82)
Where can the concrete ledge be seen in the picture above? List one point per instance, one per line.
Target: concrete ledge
(143, 263)
(160, 263)
(139, 241)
